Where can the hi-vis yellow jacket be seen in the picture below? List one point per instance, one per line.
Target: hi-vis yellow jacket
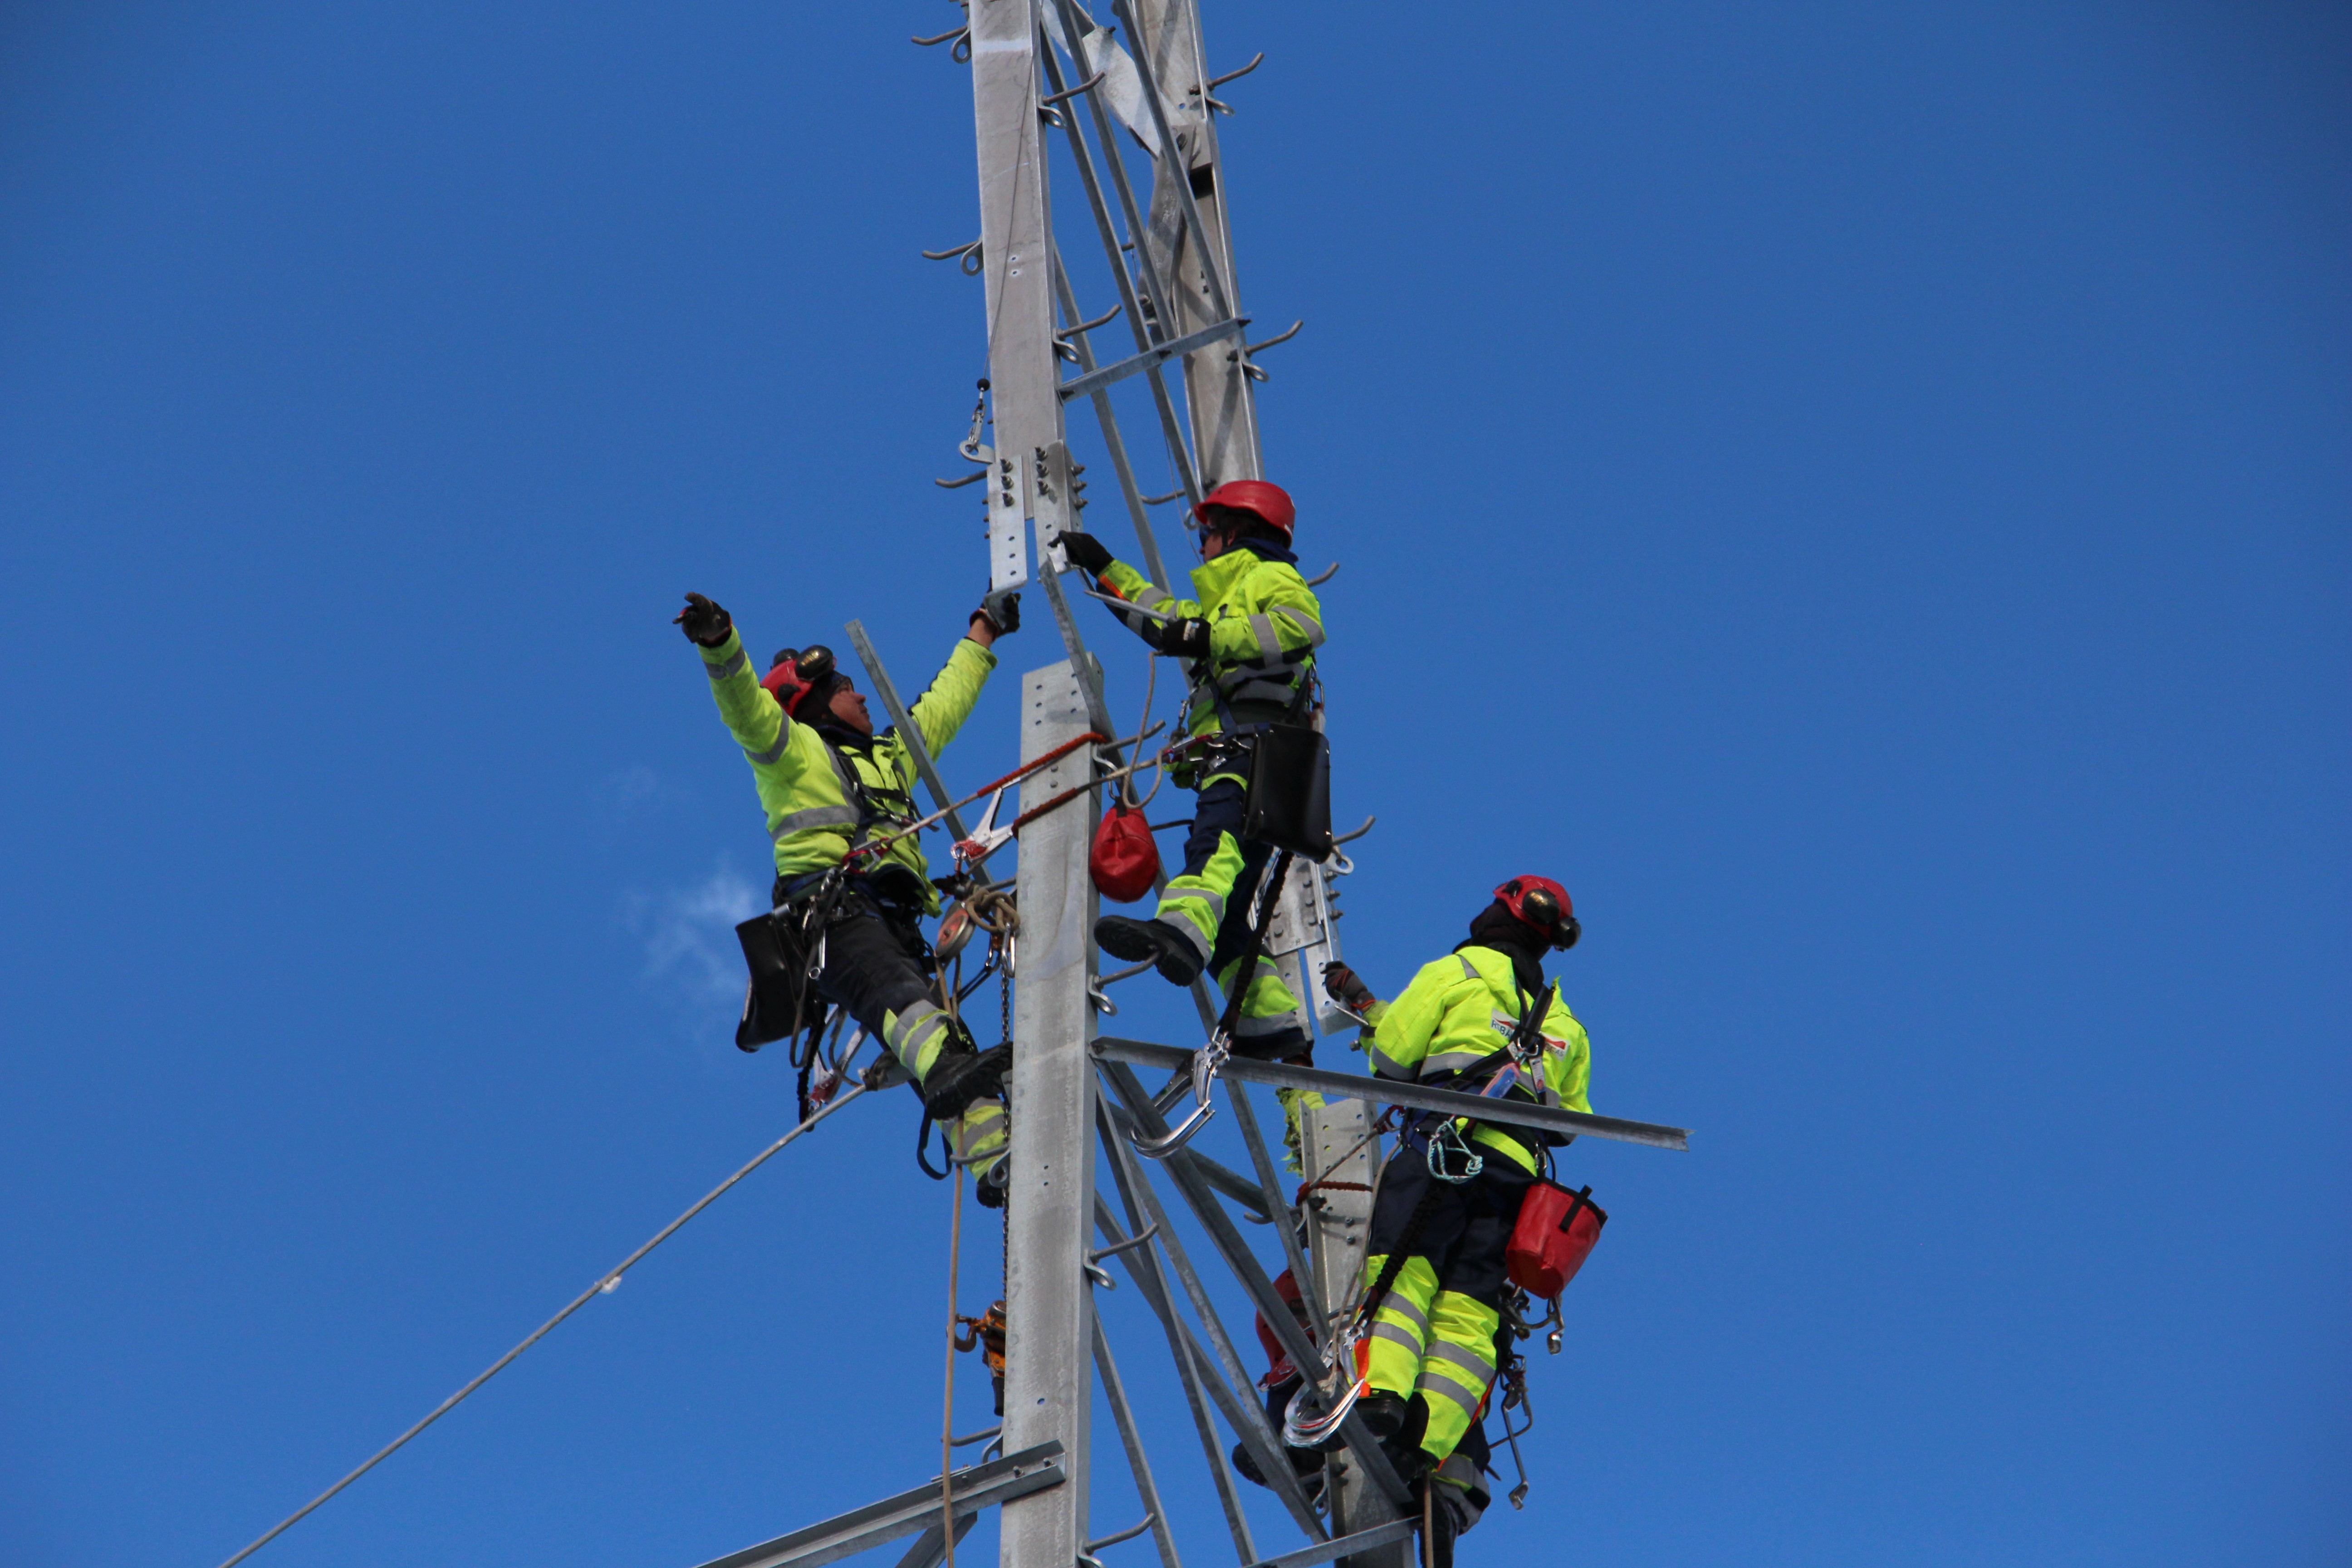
(1458, 1012)
(806, 787)
(1265, 624)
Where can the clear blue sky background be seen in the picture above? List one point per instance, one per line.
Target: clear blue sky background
(1858, 491)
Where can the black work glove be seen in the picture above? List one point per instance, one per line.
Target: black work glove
(1185, 640)
(1083, 550)
(1343, 986)
(1001, 610)
(703, 621)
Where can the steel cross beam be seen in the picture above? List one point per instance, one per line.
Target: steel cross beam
(1342, 1085)
(971, 1490)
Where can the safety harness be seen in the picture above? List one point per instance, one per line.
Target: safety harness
(1517, 1065)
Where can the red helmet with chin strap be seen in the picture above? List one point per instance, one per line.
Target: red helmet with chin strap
(1269, 502)
(1542, 903)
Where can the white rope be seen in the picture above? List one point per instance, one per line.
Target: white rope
(606, 1283)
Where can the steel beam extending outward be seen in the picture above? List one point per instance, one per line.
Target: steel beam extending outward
(970, 1491)
(1343, 1086)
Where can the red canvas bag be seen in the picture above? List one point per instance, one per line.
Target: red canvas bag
(1125, 861)
(1555, 1235)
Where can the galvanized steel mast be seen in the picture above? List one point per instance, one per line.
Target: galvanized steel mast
(1041, 67)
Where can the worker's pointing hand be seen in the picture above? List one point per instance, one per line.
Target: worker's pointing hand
(703, 622)
(1083, 550)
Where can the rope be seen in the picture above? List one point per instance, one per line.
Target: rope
(605, 1285)
(947, 1414)
(1127, 784)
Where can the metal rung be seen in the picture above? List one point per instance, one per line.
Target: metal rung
(970, 1491)
(1159, 353)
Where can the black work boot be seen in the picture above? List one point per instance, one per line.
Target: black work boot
(1280, 1044)
(1397, 1423)
(990, 1188)
(1305, 1465)
(1170, 951)
(1447, 1518)
(959, 1078)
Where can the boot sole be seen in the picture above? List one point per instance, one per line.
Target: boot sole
(1125, 940)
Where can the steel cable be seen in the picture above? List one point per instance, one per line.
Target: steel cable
(605, 1284)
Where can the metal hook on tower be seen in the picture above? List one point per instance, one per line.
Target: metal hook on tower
(971, 262)
(1206, 89)
(961, 52)
(971, 448)
(1245, 350)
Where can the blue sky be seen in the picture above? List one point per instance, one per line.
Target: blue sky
(1859, 493)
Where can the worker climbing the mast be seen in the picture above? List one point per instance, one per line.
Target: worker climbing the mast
(832, 789)
(1482, 1021)
(1247, 645)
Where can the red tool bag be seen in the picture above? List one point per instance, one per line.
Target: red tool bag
(1555, 1234)
(1124, 860)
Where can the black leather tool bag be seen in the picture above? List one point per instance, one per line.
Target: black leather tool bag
(1290, 804)
(778, 956)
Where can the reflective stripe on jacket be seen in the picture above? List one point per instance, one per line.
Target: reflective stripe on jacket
(1265, 624)
(811, 814)
(1458, 1012)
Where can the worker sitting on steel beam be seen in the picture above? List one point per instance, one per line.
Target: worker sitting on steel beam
(1248, 645)
(831, 788)
(1482, 1021)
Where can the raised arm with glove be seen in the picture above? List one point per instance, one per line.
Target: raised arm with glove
(1247, 644)
(829, 787)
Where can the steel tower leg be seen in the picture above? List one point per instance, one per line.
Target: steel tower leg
(1049, 1322)
(1048, 1390)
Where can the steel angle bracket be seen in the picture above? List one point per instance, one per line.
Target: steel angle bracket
(970, 1490)
(1008, 515)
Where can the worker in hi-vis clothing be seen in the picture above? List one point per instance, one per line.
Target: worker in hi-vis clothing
(828, 784)
(1247, 645)
(1450, 1195)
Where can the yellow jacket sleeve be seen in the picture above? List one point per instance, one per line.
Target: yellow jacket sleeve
(1409, 1024)
(752, 716)
(1137, 589)
(948, 700)
(1566, 1072)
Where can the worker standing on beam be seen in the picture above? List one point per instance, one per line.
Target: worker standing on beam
(1248, 645)
(830, 786)
(1481, 1021)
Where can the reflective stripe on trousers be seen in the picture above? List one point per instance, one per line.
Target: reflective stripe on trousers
(1457, 1368)
(915, 1037)
(1401, 1326)
(1267, 1006)
(977, 1139)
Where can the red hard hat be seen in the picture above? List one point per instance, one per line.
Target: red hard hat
(1271, 502)
(796, 673)
(1540, 902)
